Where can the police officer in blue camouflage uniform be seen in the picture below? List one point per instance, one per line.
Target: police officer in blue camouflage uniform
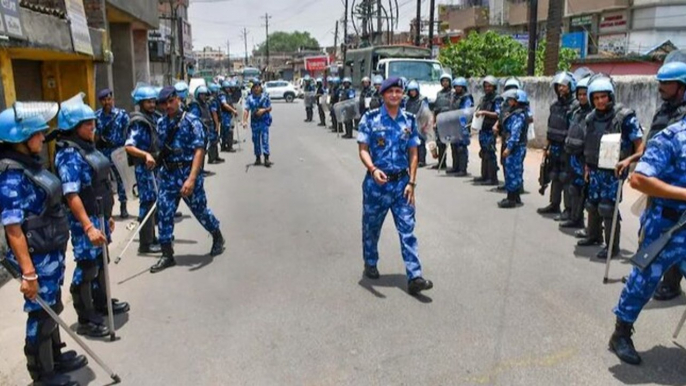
(201, 107)
(388, 141)
(444, 100)
(308, 86)
(142, 147)
(345, 93)
(227, 111)
(661, 174)
(607, 117)
(514, 136)
(259, 107)
(489, 109)
(672, 88)
(574, 148)
(413, 104)
(182, 90)
(558, 126)
(366, 91)
(334, 92)
(182, 149)
(84, 173)
(215, 110)
(321, 91)
(511, 83)
(37, 233)
(462, 99)
(111, 135)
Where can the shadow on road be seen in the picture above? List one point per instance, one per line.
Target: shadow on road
(657, 305)
(661, 366)
(389, 281)
(84, 376)
(195, 262)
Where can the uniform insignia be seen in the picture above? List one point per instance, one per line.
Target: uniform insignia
(381, 142)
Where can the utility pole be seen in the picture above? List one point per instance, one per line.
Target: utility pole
(335, 42)
(432, 5)
(228, 55)
(379, 25)
(418, 25)
(533, 37)
(245, 42)
(266, 25)
(552, 38)
(345, 36)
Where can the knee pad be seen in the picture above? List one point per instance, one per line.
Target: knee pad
(89, 269)
(606, 209)
(563, 176)
(553, 176)
(591, 207)
(46, 325)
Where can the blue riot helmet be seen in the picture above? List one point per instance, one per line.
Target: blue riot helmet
(336, 80)
(200, 90)
(347, 80)
(672, 72)
(522, 97)
(143, 93)
(24, 119)
(413, 85)
(181, 89)
(256, 82)
(214, 88)
(306, 78)
(377, 80)
(462, 82)
(73, 111)
(157, 90)
(319, 80)
(601, 83)
(226, 84)
(445, 75)
(510, 94)
(564, 78)
(512, 82)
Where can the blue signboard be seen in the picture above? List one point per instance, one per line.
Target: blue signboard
(523, 39)
(578, 41)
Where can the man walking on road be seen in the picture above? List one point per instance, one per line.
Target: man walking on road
(388, 141)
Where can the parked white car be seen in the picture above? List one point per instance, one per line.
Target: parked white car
(280, 89)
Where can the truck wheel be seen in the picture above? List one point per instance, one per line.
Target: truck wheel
(289, 98)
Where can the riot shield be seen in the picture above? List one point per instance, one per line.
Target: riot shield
(610, 145)
(347, 110)
(324, 102)
(477, 123)
(425, 123)
(126, 172)
(452, 125)
(309, 99)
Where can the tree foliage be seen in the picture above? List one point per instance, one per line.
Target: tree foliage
(288, 42)
(491, 53)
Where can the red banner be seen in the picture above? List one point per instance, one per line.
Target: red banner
(316, 63)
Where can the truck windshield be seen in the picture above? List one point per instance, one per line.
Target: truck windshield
(415, 70)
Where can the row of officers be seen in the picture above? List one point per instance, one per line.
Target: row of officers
(165, 140)
(585, 111)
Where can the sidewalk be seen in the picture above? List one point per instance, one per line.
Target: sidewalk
(13, 320)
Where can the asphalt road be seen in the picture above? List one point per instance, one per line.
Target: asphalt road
(514, 302)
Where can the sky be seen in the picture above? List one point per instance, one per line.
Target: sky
(216, 21)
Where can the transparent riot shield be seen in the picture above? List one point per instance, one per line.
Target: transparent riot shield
(347, 110)
(610, 145)
(324, 102)
(309, 99)
(453, 125)
(126, 172)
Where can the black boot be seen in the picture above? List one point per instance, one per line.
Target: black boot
(348, 130)
(66, 361)
(371, 272)
(258, 161)
(552, 208)
(418, 284)
(166, 261)
(670, 286)
(509, 202)
(217, 243)
(122, 210)
(622, 345)
(41, 366)
(229, 147)
(453, 154)
(147, 239)
(90, 323)
(608, 232)
(267, 162)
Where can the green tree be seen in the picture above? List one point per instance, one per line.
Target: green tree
(491, 53)
(288, 42)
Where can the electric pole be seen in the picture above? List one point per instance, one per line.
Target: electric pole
(245, 42)
(552, 38)
(345, 36)
(533, 37)
(432, 5)
(228, 55)
(266, 25)
(379, 25)
(418, 25)
(335, 43)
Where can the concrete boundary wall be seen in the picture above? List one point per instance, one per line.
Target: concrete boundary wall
(637, 92)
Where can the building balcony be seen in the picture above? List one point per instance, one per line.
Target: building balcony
(465, 19)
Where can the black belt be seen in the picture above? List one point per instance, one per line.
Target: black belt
(390, 177)
(177, 165)
(671, 214)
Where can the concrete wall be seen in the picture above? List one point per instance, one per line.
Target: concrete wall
(141, 56)
(143, 10)
(123, 68)
(637, 92)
